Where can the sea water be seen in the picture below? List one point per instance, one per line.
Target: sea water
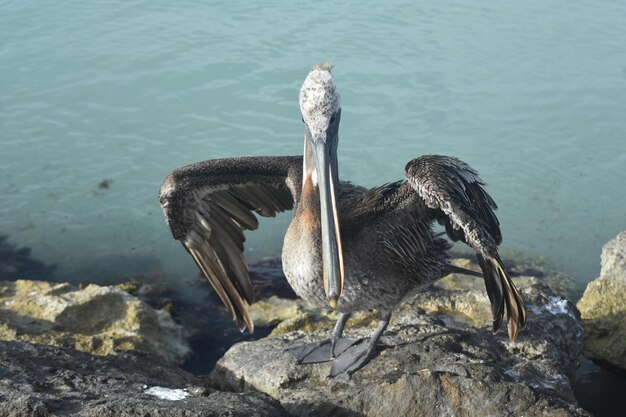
(100, 100)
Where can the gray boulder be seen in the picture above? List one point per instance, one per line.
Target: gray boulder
(428, 365)
(603, 307)
(42, 381)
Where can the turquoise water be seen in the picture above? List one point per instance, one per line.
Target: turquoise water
(532, 94)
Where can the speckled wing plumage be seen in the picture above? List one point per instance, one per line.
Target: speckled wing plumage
(454, 193)
(209, 204)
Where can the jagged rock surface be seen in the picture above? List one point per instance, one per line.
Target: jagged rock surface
(603, 307)
(95, 319)
(459, 298)
(43, 381)
(429, 364)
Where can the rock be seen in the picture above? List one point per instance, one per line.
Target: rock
(457, 297)
(38, 380)
(95, 319)
(428, 365)
(614, 259)
(603, 307)
(461, 298)
(272, 311)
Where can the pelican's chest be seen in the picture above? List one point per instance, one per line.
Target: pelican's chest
(302, 261)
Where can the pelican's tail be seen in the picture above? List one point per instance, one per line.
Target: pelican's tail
(502, 293)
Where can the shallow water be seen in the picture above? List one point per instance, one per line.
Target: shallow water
(533, 95)
(599, 390)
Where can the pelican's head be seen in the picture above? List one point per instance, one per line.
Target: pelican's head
(319, 104)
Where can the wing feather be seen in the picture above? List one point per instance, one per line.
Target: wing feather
(208, 206)
(241, 215)
(453, 191)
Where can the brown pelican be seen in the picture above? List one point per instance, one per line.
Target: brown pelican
(347, 248)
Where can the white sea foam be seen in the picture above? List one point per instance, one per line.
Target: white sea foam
(558, 305)
(555, 305)
(167, 393)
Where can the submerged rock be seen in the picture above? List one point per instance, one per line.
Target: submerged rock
(428, 364)
(18, 262)
(95, 319)
(37, 380)
(603, 307)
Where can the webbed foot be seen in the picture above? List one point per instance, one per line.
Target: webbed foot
(360, 354)
(353, 358)
(322, 351)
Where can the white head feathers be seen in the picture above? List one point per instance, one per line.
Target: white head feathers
(319, 98)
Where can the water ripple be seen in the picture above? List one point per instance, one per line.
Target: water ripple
(531, 93)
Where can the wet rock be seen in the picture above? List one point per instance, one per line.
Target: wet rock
(95, 319)
(428, 364)
(603, 307)
(37, 380)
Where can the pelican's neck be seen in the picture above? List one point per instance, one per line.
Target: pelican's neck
(309, 171)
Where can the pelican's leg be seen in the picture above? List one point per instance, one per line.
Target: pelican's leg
(357, 356)
(337, 333)
(327, 349)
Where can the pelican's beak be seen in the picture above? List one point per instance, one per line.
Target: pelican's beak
(325, 153)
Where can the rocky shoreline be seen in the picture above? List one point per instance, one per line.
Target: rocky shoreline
(44, 381)
(438, 356)
(427, 366)
(603, 308)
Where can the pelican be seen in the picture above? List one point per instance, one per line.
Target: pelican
(347, 248)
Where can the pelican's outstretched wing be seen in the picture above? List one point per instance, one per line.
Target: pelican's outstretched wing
(452, 190)
(209, 204)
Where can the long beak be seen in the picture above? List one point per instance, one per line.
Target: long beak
(326, 165)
